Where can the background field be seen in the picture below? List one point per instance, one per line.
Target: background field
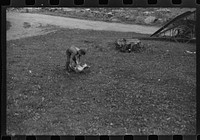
(152, 92)
(141, 16)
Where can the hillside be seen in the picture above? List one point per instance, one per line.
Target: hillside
(142, 16)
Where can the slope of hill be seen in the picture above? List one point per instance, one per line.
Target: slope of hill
(142, 16)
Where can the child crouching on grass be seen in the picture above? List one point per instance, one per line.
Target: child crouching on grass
(73, 56)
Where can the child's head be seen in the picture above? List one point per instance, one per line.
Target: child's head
(82, 52)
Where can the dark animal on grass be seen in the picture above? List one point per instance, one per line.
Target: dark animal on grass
(122, 46)
(73, 56)
(120, 43)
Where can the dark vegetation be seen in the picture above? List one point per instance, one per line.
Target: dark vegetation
(8, 25)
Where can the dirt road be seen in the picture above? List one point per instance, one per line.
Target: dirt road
(37, 21)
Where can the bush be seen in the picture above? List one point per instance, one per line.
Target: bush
(139, 19)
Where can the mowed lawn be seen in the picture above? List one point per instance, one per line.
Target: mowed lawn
(151, 92)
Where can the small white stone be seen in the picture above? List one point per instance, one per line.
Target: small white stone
(168, 118)
(30, 71)
(16, 114)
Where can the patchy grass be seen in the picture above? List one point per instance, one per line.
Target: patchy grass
(152, 92)
(26, 25)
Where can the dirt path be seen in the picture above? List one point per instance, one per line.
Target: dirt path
(37, 21)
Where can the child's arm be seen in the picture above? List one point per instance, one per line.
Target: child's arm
(76, 59)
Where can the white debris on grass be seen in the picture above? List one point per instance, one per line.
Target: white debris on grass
(190, 52)
(16, 114)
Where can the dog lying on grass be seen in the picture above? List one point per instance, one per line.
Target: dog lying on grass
(78, 68)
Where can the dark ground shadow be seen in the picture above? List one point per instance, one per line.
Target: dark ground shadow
(8, 25)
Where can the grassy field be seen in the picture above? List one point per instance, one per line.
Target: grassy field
(152, 92)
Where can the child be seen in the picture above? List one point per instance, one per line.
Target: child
(73, 56)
